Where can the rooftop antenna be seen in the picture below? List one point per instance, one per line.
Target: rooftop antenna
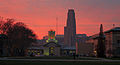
(56, 25)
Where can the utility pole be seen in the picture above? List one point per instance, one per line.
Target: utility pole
(56, 25)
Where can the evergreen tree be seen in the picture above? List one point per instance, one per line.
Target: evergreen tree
(101, 43)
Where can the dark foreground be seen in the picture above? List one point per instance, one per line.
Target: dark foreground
(11, 62)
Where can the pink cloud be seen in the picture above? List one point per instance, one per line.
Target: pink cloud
(40, 15)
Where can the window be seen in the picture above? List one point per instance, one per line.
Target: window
(118, 42)
(51, 51)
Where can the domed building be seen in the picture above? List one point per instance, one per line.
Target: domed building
(49, 48)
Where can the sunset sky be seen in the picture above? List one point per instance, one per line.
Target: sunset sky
(40, 15)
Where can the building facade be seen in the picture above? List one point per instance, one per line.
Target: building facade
(70, 29)
(112, 42)
(50, 47)
(83, 48)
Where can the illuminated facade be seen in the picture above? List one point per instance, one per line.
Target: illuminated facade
(51, 36)
(51, 47)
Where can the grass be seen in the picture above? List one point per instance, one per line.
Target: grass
(113, 58)
(56, 63)
(37, 62)
(53, 57)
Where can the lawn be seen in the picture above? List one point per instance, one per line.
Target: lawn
(56, 63)
(113, 58)
(54, 57)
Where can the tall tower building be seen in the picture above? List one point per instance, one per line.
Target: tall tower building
(70, 29)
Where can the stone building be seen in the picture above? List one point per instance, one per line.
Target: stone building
(50, 47)
(70, 30)
(83, 48)
(112, 42)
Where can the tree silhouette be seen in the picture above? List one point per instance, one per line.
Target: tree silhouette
(3, 44)
(101, 43)
(19, 36)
